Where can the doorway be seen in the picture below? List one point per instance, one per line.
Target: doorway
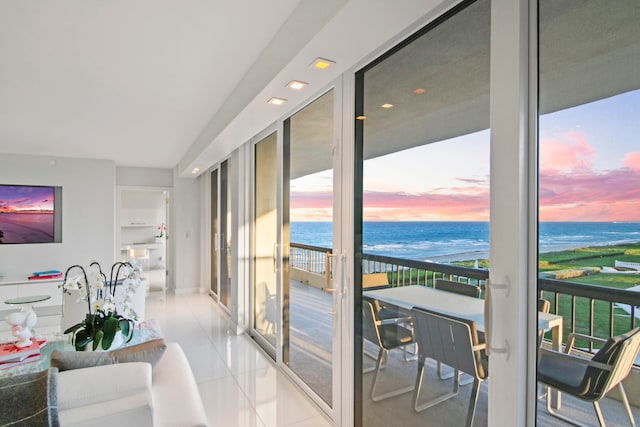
(143, 230)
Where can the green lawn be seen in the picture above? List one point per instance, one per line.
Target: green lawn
(601, 256)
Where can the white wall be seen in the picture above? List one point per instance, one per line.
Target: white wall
(88, 222)
(186, 236)
(147, 177)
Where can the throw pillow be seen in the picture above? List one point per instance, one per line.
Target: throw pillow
(30, 399)
(150, 352)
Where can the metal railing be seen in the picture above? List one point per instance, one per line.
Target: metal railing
(400, 272)
(587, 309)
(405, 272)
(593, 310)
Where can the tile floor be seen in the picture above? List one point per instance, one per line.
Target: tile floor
(239, 384)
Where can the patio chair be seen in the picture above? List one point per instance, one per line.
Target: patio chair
(458, 287)
(590, 379)
(387, 334)
(544, 306)
(454, 342)
(462, 289)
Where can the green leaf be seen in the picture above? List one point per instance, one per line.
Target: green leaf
(81, 339)
(74, 327)
(110, 329)
(97, 338)
(125, 327)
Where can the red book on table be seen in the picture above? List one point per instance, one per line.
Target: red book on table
(11, 353)
(49, 276)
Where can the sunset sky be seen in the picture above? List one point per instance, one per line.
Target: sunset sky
(18, 198)
(589, 171)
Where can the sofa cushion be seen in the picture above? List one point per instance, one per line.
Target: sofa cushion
(150, 352)
(29, 399)
(106, 396)
(176, 396)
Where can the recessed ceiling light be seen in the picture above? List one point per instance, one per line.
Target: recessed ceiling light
(322, 64)
(387, 105)
(276, 101)
(361, 117)
(419, 91)
(296, 85)
(195, 170)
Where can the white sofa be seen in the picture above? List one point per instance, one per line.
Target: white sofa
(132, 394)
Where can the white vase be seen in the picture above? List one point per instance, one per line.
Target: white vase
(118, 340)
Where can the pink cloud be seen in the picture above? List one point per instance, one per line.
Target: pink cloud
(632, 161)
(589, 196)
(455, 204)
(311, 199)
(570, 152)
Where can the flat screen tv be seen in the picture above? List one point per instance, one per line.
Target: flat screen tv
(30, 214)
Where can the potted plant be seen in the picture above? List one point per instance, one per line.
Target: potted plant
(106, 317)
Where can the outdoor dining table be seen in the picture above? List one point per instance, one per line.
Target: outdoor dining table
(466, 307)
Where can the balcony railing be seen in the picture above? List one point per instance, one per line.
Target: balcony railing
(593, 310)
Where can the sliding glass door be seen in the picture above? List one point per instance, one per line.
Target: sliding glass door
(310, 264)
(215, 234)
(266, 296)
(422, 226)
(296, 285)
(225, 242)
(589, 175)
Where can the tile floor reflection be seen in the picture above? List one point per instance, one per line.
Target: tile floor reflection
(239, 384)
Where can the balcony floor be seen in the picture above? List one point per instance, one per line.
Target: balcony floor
(312, 346)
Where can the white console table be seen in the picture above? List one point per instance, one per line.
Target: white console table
(48, 311)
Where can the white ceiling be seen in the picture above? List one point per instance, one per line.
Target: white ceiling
(165, 83)
(132, 81)
(150, 83)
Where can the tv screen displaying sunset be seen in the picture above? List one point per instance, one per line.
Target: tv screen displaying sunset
(26, 214)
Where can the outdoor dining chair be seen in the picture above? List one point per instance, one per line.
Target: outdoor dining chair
(387, 334)
(458, 288)
(590, 379)
(461, 289)
(544, 306)
(454, 342)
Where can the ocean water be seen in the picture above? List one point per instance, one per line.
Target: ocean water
(463, 240)
(26, 228)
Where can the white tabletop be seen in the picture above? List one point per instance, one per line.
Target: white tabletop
(464, 306)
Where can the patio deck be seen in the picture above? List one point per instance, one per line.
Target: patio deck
(310, 358)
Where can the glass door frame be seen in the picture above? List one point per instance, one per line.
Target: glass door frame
(215, 248)
(214, 232)
(341, 380)
(513, 106)
(513, 245)
(341, 384)
(273, 352)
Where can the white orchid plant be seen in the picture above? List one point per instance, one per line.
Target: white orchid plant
(106, 315)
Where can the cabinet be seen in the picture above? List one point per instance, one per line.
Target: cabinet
(48, 311)
(139, 217)
(142, 232)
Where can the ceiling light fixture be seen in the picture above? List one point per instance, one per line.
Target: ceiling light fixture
(195, 170)
(387, 105)
(322, 64)
(276, 101)
(296, 85)
(419, 91)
